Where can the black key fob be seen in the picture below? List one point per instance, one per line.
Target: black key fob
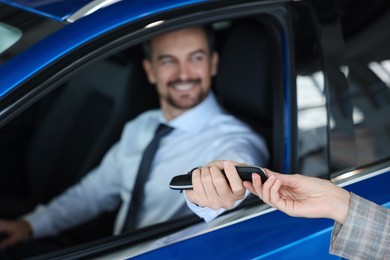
(184, 182)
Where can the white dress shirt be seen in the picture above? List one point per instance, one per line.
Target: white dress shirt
(201, 134)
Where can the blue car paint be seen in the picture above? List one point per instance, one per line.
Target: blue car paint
(54, 9)
(273, 235)
(74, 35)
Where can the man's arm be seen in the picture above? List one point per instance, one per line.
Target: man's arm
(95, 193)
(210, 186)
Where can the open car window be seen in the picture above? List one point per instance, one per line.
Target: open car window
(68, 131)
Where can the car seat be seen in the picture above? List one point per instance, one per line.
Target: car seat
(246, 76)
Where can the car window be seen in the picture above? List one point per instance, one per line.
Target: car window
(366, 70)
(9, 36)
(312, 125)
(311, 96)
(69, 130)
(342, 90)
(371, 99)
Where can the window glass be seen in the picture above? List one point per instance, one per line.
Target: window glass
(312, 124)
(382, 70)
(312, 115)
(371, 100)
(9, 36)
(369, 79)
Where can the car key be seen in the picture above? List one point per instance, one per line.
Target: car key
(184, 181)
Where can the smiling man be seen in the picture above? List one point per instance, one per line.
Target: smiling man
(181, 65)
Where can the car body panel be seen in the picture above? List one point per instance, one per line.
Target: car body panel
(55, 9)
(62, 9)
(273, 235)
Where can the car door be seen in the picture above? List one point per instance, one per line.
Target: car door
(67, 95)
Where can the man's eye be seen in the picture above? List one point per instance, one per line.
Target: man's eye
(167, 61)
(197, 58)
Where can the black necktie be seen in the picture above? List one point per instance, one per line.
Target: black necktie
(143, 172)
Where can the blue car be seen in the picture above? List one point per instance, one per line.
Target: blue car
(312, 77)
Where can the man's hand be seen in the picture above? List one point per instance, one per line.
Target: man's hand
(302, 196)
(212, 189)
(14, 232)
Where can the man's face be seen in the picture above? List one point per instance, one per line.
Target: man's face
(181, 66)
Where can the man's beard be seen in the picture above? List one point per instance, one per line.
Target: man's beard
(200, 97)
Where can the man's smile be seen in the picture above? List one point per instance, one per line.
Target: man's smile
(181, 85)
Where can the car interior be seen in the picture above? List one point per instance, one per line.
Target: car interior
(55, 142)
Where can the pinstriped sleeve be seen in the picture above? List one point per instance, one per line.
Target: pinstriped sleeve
(365, 233)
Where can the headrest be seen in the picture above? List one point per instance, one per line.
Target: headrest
(245, 67)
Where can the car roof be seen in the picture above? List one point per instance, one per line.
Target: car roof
(68, 10)
(55, 9)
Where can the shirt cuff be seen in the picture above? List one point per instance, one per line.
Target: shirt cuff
(205, 213)
(40, 224)
(209, 214)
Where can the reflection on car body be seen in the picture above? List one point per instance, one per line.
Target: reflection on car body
(310, 76)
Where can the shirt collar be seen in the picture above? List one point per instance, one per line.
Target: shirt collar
(195, 119)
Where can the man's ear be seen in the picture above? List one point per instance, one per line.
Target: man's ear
(214, 63)
(149, 71)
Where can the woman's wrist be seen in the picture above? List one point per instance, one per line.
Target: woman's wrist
(340, 200)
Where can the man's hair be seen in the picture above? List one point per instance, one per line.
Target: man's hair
(208, 29)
